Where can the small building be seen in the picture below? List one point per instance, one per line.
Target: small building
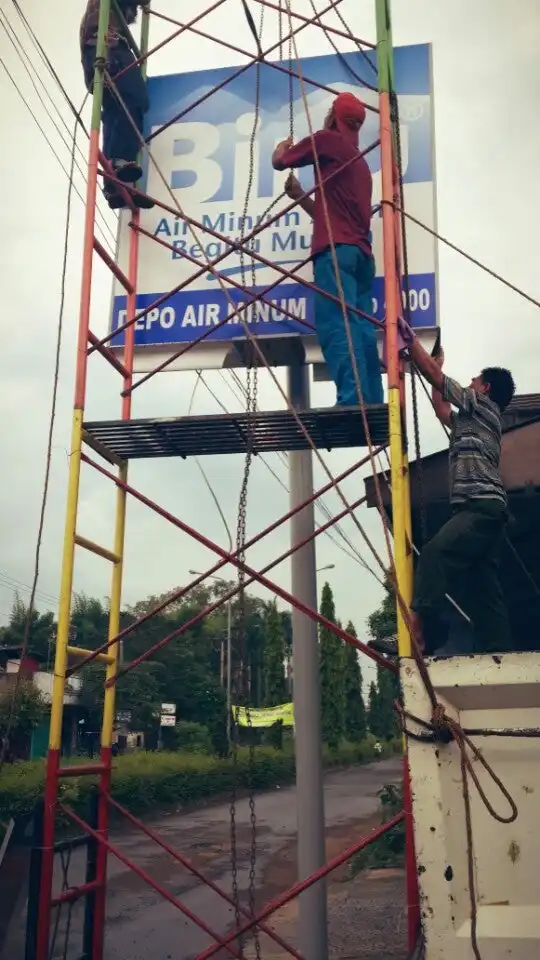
(34, 746)
(10, 661)
(520, 469)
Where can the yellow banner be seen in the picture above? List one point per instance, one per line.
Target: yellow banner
(264, 716)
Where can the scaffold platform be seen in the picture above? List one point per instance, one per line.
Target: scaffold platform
(329, 429)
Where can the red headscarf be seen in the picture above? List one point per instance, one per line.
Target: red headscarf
(349, 114)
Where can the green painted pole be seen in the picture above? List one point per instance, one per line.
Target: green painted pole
(101, 59)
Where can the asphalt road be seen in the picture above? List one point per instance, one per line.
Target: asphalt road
(141, 925)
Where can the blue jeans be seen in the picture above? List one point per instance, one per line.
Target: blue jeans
(357, 272)
(120, 139)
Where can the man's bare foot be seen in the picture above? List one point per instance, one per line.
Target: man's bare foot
(417, 629)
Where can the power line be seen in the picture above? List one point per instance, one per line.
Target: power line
(49, 65)
(343, 60)
(54, 73)
(451, 245)
(46, 138)
(48, 458)
(320, 504)
(33, 75)
(468, 256)
(8, 584)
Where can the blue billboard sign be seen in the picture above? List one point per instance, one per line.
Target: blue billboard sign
(206, 159)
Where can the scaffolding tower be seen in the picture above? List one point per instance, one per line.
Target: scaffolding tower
(107, 448)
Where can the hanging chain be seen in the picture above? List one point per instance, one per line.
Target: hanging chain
(241, 533)
(414, 386)
(242, 675)
(65, 861)
(343, 59)
(273, 203)
(291, 90)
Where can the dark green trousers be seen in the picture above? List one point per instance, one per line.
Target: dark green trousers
(462, 559)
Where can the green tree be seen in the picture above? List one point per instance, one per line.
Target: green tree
(273, 657)
(388, 693)
(89, 622)
(21, 712)
(383, 623)
(185, 671)
(139, 691)
(41, 632)
(355, 711)
(332, 680)
(286, 623)
(373, 715)
(274, 687)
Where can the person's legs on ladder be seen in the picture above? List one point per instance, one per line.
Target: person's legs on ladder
(451, 556)
(364, 302)
(330, 324)
(121, 133)
(487, 607)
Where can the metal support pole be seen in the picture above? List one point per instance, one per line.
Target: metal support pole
(229, 670)
(34, 878)
(313, 925)
(89, 929)
(72, 501)
(399, 466)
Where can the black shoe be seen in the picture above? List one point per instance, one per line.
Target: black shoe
(141, 201)
(386, 645)
(127, 170)
(115, 200)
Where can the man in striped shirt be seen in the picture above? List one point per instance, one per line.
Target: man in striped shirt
(462, 559)
(121, 131)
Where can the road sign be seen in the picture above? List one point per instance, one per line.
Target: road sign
(123, 716)
(205, 159)
(168, 720)
(168, 708)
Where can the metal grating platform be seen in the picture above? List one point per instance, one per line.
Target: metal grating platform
(329, 428)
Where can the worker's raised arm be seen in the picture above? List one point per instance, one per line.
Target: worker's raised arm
(451, 392)
(427, 365)
(442, 408)
(287, 156)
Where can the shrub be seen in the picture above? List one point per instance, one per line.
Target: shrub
(145, 781)
(189, 738)
(388, 850)
(22, 712)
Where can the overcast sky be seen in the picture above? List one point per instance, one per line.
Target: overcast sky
(487, 90)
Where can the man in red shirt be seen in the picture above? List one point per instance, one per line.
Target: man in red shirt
(121, 137)
(348, 207)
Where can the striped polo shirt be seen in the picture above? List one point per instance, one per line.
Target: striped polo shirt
(475, 445)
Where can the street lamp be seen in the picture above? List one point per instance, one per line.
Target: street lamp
(329, 566)
(197, 573)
